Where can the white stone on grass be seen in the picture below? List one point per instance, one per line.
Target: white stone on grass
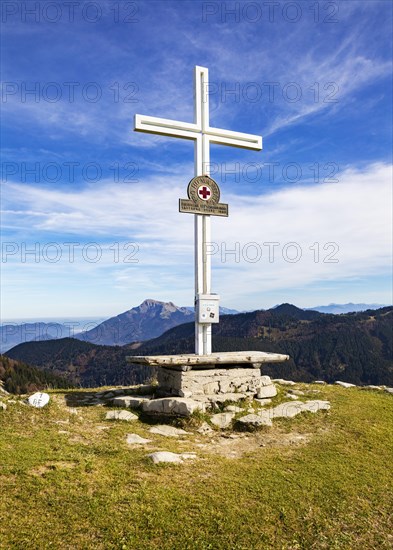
(292, 396)
(286, 410)
(222, 420)
(316, 405)
(289, 409)
(345, 384)
(283, 382)
(38, 400)
(319, 382)
(299, 392)
(135, 439)
(3, 406)
(389, 390)
(168, 431)
(121, 415)
(267, 391)
(166, 456)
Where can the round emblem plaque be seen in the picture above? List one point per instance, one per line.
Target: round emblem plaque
(203, 189)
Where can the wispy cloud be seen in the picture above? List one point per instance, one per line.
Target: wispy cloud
(341, 230)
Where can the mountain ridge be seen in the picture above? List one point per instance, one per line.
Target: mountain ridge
(356, 347)
(111, 331)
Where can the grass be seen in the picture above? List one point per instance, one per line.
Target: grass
(86, 488)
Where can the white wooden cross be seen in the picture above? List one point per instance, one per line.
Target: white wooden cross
(202, 134)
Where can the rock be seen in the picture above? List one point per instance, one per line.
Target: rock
(3, 406)
(38, 400)
(222, 420)
(316, 405)
(291, 396)
(319, 382)
(283, 382)
(220, 398)
(389, 390)
(130, 401)
(299, 392)
(290, 409)
(121, 415)
(255, 420)
(345, 384)
(262, 402)
(234, 409)
(370, 387)
(181, 406)
(205, 429)
(266, 391)
(135, 439)
(286, 410)
(165, 456)
(168, 431)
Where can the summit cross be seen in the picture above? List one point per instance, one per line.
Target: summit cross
(203, 135)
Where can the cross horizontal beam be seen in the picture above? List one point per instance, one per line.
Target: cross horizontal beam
(191, 130)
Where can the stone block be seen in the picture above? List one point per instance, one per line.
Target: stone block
(181, 406)
(266, 391)
(219, 381)
(222, 420)
(130, 401)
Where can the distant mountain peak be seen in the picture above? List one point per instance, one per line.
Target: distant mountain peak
(148, 320)
(293, 311)
(286, 308)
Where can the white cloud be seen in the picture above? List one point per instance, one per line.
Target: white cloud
(354, 214)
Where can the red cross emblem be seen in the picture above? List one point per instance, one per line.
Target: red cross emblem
(204, 192)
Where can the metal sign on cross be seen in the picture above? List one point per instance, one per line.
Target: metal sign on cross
(203, 135)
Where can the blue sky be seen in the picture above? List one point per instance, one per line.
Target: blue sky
(90, 222)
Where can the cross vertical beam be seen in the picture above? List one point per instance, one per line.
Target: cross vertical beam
(203, 134)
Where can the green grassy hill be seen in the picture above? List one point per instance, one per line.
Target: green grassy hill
(319, 481)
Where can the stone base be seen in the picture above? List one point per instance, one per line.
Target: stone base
(219, 381)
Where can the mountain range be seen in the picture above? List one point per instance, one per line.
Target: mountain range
(144, 322)
(353, 347)
(345, 308)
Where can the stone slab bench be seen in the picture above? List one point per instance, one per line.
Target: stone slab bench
(219, 374)
(229, 359)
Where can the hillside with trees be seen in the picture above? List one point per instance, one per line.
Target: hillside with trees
(353, 347)
(19, 378)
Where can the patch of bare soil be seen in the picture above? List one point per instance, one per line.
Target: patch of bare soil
(50, 466)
